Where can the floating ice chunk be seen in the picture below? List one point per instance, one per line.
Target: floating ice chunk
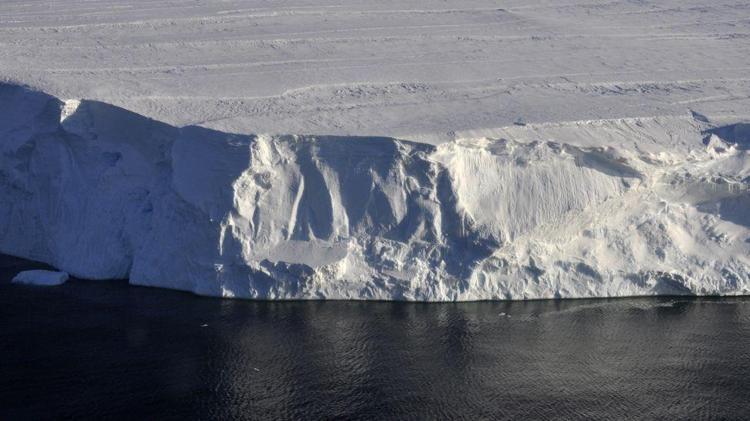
(41, 277)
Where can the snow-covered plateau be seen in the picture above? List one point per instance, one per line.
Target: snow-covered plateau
(409, 150)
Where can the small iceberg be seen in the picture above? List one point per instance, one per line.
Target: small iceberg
(41, 277)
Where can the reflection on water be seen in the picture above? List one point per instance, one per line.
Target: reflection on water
(107, 349)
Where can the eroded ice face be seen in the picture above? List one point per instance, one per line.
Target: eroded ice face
(579, 209)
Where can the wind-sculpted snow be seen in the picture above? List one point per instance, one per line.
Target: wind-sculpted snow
(583, 209)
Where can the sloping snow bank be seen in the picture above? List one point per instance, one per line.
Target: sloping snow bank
(585, 209)
(41, 277)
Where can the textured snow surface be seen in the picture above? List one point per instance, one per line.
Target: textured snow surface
(473, 149)
(580, 209)
(41, 277)
(425, 70)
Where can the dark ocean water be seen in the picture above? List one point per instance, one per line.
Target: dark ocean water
(109, 350)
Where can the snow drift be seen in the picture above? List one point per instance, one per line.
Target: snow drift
(583, 209)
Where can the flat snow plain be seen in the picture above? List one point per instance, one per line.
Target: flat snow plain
(418, 70)
(417, 150)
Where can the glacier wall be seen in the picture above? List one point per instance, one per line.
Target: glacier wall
(583, 209)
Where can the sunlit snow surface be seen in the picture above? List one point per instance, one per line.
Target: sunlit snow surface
(422, 70)
(384, 150)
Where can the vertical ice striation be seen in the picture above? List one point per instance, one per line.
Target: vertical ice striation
(583, 209)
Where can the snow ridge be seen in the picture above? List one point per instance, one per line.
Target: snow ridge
(583, 209)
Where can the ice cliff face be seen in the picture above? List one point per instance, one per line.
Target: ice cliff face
(598, 208)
